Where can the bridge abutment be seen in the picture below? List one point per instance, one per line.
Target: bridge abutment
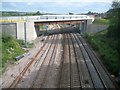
(83, 26)
(26, 31)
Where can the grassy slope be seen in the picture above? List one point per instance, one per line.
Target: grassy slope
(101, 21)
(107, 50)
(10, 49)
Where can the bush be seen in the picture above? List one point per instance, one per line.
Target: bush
(11, 48)
(107, 48)
(101, 21)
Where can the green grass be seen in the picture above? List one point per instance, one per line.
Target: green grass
(107, 50)
(101, 21)
(11, 48)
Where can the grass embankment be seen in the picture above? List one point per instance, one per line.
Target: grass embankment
(101, 21)
(11, 48)
(107, 50)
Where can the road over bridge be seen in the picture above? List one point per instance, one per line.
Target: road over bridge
(25, 25)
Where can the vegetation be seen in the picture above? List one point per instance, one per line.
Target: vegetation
(107, 43)
(11, 48)
(106, 48)
(101, 21)
(5, 13)
(114, 17)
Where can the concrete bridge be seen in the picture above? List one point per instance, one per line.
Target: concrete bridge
(26, 25)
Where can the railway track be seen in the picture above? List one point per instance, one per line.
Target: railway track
(64, 61)
(37, 66)
(27, 67)
(42, 66)
(42, 72)
(84, 69)
(84, 76)
(101, 70)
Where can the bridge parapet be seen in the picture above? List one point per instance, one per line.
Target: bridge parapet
(45, 18)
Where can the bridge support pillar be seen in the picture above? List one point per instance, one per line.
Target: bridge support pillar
(83, 27)
(26, 31)
(80, 27)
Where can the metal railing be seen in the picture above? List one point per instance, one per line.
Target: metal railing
(43, 17)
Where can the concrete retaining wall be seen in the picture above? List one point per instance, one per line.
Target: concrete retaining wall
(9, 28)
(92, 28)
(20, 30)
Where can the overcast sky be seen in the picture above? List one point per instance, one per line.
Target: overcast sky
(57, 6)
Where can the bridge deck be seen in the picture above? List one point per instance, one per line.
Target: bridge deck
(43, 18)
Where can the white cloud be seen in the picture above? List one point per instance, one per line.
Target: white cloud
(71, 4)
(29, 3)
(106, 1)
(13, 4)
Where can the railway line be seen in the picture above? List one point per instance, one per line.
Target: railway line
(64, 61)
(85, 69)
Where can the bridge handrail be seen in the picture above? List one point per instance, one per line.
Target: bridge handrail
(43, 17)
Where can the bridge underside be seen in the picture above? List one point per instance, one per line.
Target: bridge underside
(69, 26)
(59, 22)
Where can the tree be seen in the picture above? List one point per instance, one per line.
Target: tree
(90, 13)
(71, 13)
(114, 26)
(116, 4)
(37, 13)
